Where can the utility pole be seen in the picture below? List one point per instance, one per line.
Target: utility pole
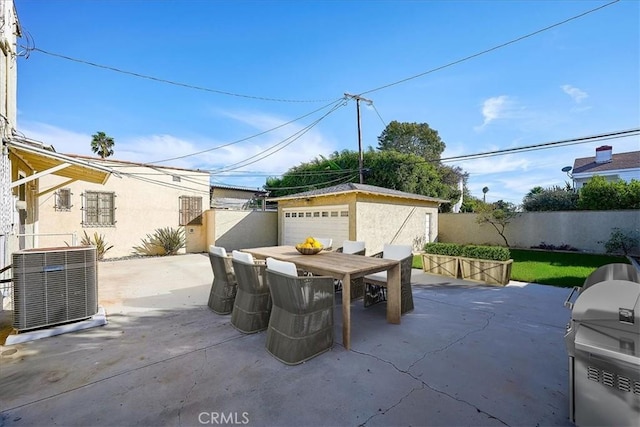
(360, 157)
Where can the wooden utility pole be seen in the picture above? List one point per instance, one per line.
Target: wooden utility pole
(360, 156)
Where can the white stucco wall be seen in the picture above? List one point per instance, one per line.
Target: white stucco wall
(379, 223)
(141, 206)
(584, 230)
(244, 229)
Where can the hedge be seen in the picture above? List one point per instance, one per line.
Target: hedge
(450, 249)
(495, 253)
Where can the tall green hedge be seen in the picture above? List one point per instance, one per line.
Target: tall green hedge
(494, 253)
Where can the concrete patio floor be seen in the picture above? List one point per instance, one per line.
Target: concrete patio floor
(468, 355)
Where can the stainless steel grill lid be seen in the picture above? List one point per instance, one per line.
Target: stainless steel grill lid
(609, 317)
(613, 271)
(603, 343)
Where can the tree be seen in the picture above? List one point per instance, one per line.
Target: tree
(600, 194)
(411, 138)
(388, 169)
(498, 214)
(102, 145)
(551, 199)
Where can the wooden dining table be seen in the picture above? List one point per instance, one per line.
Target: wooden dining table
(343, 267)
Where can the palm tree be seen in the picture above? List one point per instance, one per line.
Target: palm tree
(485, 190)
(102, 145)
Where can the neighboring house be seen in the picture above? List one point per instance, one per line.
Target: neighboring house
(136, 201)
(368, 213)
(237, 198)
(612, 166)
(9, 33)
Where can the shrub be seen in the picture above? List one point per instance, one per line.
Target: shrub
(495, 253)
(622, 241)
(98, 241)
(551, 247)
(164, 241)
(450, 249)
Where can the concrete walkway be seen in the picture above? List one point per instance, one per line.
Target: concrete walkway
(468, 355)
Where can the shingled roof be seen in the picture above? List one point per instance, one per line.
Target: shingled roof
(630, 160)
(358, 188)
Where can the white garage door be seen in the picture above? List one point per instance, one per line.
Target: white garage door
(321, 221)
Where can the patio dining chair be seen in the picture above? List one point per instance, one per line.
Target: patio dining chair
(301, 321)
(223, 288)
(376, 284)
(357, 285)
(252, 305)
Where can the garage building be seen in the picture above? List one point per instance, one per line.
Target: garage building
(363, 212)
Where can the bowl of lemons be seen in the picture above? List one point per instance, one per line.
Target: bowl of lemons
(309, 247)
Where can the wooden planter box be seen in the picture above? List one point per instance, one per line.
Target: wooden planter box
(444, 265)
(487, 271)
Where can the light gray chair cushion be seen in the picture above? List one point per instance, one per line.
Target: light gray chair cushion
(396, 252)
(220, 251)
(352, 246)
(283, 267)
(242, 256)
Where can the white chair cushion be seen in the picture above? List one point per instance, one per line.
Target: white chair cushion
(242, 256)
(377, 277)
(283, 267)
(220, 251)
(351, 246)
(326, 242)
(397, 252)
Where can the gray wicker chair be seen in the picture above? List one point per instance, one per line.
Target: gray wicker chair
(252, 305)
(223, 288)
(301, 321)
(376, 284)
(357, 285)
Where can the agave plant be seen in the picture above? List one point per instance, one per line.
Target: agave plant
(98, 241)
(164, 241)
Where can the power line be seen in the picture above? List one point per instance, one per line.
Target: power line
(466, 58)
(337, 181)
(331, 104)
(284, 143)
(546, 145)
(171, 82)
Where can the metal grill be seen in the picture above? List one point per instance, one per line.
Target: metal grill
(603, 343)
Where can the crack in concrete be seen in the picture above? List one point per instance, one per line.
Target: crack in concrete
(491, 315)
(195, 383)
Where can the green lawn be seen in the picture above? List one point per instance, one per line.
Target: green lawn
(563, 269)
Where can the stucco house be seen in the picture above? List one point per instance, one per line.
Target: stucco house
(363, 212)
(605, 163)
(236, 197)
(138, 199)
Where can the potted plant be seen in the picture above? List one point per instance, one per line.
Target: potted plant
(488, 264)
(441, 259)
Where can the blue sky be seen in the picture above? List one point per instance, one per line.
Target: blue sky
(255, 61)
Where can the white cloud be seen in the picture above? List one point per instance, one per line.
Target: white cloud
(576, 94)
(498, 107)
(272, 153)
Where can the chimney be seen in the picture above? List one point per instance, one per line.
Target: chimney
(603, 154)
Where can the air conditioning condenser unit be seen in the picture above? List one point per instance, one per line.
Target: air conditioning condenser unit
(53, 286)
